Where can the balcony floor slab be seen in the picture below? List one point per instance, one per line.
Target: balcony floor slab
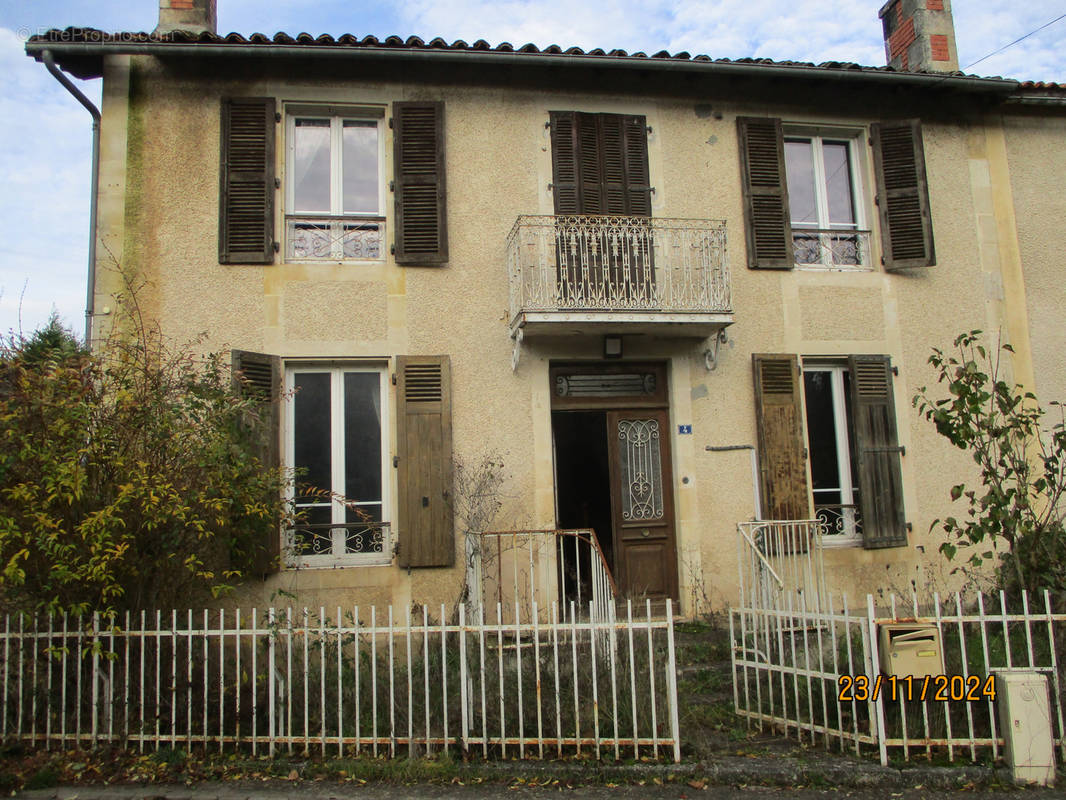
(695, 325)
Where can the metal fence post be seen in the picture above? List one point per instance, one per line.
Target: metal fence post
(672, 685)
(271, 679)
(466, 695)
(873, 665)
(96, 664)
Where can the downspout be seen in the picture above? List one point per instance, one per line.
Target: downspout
(90, 292)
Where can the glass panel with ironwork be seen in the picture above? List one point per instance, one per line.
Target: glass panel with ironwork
(640, 469)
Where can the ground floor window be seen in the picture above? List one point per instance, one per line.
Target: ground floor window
(337, 422)
(827, 433)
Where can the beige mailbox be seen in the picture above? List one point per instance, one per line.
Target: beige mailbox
(908, 648)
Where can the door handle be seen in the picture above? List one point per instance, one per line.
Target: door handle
(645, 533)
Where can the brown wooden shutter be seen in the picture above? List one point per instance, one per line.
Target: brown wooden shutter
(424, 459)
(418, 149)
(590, 165)
(612, 151)
(258, 377)
(902, 195)
(637, 180)
(246, 194)
(782, 458)
(600, 164)
(877, 452)
(564, 162)
(768, 227)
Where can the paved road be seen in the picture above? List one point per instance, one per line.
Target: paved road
(314, 791)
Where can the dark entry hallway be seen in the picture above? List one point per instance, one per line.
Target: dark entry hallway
(583, 484)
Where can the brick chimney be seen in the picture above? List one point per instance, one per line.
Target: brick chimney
(193, 16)
(919, 35)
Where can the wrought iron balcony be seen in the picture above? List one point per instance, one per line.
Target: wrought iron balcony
(606, 274)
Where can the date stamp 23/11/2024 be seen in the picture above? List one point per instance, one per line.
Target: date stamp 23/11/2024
(908, 688)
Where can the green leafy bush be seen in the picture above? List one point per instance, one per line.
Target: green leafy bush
(128, 475)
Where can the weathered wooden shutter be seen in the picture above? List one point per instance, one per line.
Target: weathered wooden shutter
(564, 162)
(590, 165)
(877, 452)
(902, 195)
(246, 193)
(768, 227)
(600, 164)
(424, 459)
(637, 180)
(418, 149)
(782, 457)
(258, 377)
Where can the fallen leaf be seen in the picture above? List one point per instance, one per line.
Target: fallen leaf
(696, 784)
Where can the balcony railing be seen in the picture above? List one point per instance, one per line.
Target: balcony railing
(832, 249)
(639, 269)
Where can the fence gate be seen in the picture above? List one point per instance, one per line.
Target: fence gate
(819, 674)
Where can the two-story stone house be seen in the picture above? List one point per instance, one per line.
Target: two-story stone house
(670, 293)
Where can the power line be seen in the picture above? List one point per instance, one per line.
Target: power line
(1004, 47)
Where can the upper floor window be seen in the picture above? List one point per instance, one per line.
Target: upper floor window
(823, 188)
(334, 195)
(805, 205)
(335, 192)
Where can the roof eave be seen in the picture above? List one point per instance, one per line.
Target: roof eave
(88, 57)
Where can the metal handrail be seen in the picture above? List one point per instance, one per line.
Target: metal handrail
(762, 557)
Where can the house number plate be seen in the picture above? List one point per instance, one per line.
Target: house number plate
(684, 429)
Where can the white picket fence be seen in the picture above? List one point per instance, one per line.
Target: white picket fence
(526, 683)
(788, 662)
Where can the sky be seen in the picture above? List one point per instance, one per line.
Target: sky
(45, 136)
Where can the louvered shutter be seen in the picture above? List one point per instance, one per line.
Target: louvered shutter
(246, 194)
(779, 416)
(902, 195)
(768, 227)
(612, 151)
(589, 165)
(418, 149)
(564, 162)
(258, 377)
(600, 164)
(877, 452)
(637, 180)
(424, 461)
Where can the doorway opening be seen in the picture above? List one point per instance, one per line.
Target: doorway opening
(583, 492)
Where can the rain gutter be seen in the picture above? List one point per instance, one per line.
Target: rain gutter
(90, 292)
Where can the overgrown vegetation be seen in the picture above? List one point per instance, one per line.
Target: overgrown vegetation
(128, 474)
(1016, 511)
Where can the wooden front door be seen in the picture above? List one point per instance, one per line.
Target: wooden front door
(645, 550)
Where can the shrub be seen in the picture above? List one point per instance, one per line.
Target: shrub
(128, 475)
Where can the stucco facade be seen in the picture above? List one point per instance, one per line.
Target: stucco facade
(994, 170)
